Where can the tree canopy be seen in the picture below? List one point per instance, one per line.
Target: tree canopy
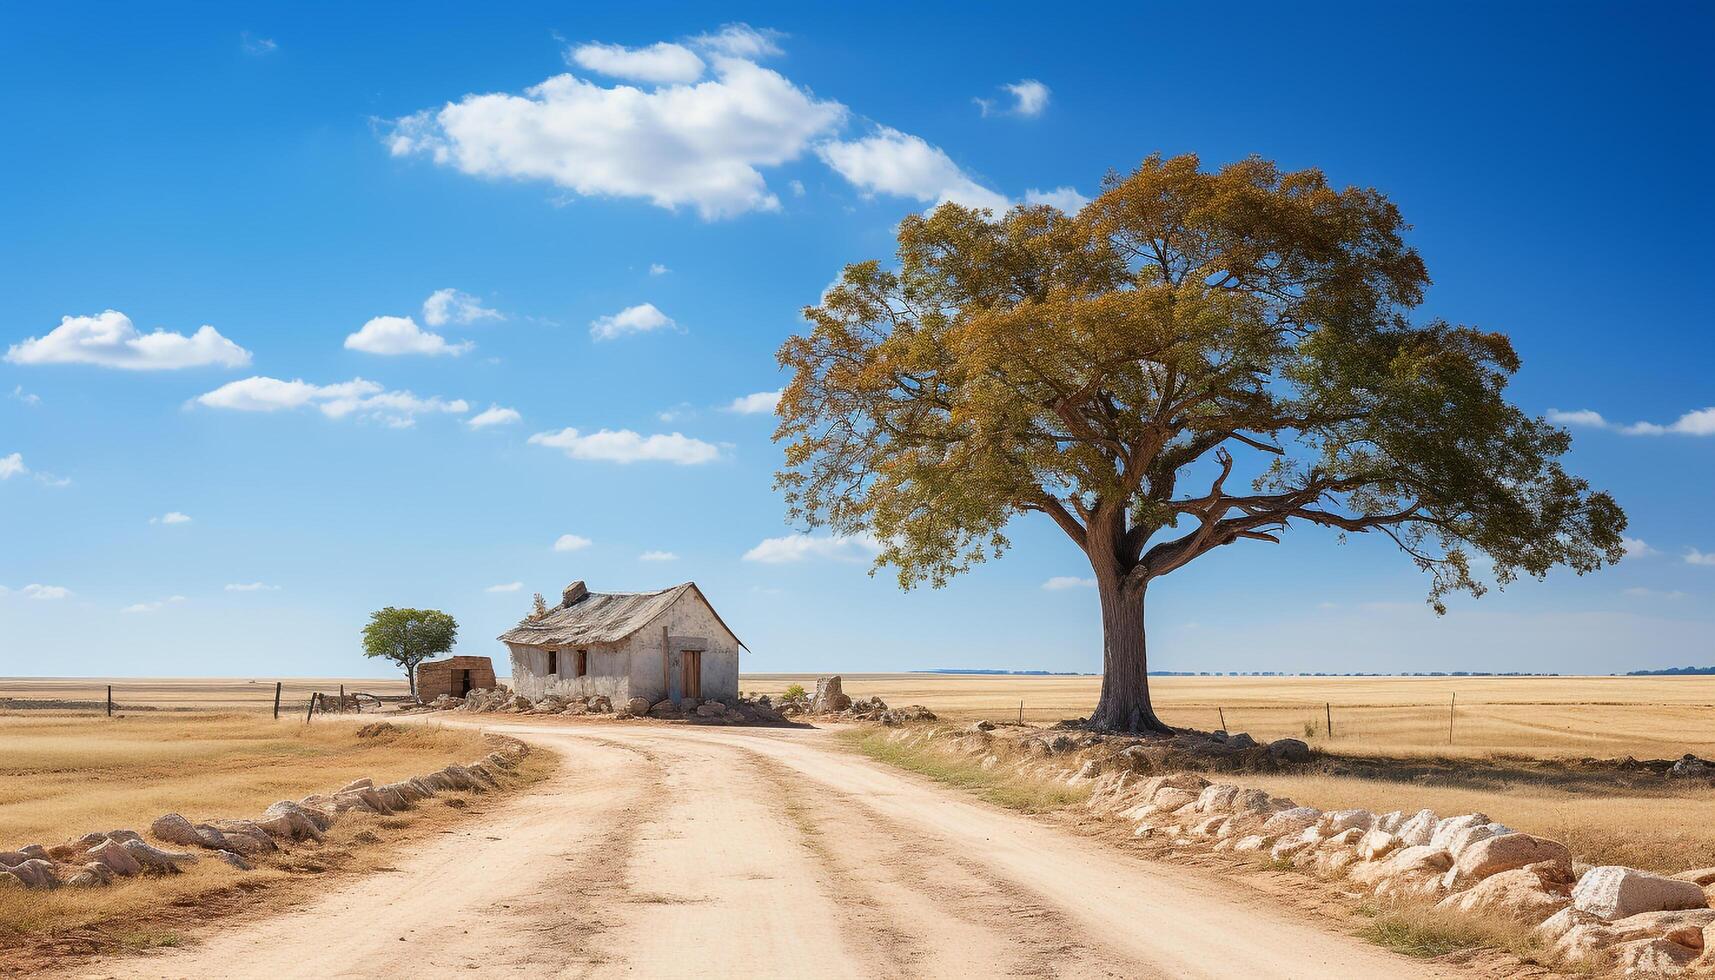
(1192, 360)
(408, 637)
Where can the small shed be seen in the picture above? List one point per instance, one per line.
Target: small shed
(664, 645)
(456, 676)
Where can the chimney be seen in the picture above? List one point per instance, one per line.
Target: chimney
(573, 593)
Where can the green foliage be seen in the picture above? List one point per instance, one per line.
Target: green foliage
(794, 692)
(1121, 369)
(409, 636)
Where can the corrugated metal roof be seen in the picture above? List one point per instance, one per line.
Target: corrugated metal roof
(600, 617)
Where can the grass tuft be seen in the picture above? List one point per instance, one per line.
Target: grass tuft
(998, 785)
(1420, 929)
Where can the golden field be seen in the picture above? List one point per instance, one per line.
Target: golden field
(1507, 732)
(64, 775)
(1389, 750)
(1646, 717)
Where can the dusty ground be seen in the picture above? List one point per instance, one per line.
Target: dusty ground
(662, 851)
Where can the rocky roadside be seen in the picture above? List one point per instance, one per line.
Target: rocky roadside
(830, 703)
(1625, 920)
(100, 858)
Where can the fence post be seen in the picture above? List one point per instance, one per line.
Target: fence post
(312, 710)
(276, 700)
(1223, 715)
(1451, 704)
(1021, 712)
(110, 700)
(342, 699)
(1329, 708)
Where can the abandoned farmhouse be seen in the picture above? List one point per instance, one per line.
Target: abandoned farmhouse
(454, 676)
(668, 645)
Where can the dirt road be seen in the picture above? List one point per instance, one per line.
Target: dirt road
(671, 851)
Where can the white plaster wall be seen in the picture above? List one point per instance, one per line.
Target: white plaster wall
(689, 620)
(609, 672)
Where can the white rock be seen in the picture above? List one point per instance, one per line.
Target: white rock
(1417, 831)
(1292, 821)
(1445, 829)
(1613, 892)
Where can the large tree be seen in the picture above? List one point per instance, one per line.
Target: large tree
(1129, 369)
(408, 637)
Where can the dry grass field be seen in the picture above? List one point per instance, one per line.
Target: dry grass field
(63, 775)
(1551, 717)
(1389, 748)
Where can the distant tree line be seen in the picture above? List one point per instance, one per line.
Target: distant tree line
(1670, 671)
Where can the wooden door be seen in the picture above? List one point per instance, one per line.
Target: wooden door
(693, 666)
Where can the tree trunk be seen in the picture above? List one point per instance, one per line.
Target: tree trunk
(1124, 705)
(411, 678)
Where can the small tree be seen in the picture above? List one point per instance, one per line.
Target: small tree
(1122, 369)
(408, 637)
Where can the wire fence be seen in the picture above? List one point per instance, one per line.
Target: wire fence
(1596, 722)
(279, 697)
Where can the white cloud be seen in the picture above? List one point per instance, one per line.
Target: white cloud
(1029, 99)
(657, 269)
(46, 592)
(642, 318)
(1700, 422)
(394, 335)
(892, 162)
(741, 41)
(109, 339)
(505, 587)
(762, 402)
(13, 465)
(683, 410)
(1066, 199)
(797, 188)
(493, 415)
(803, 547)
(27, 398)
(626, 446)
(658, 556)
(158, 604)
(251, 587)
(257, 46)
(1637, 547)
(698, 145)
(171, 517)
(660, 63)
(1061, 583)
(571, 542)
(446, 306)
(357, 397)
(1695, 557)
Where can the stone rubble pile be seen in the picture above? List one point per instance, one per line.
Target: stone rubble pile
(742, 710)
(831, 702)
(99, 858)
(1623, 919)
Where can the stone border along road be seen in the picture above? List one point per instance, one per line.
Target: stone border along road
(659, 851)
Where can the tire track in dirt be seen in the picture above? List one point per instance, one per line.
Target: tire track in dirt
(950, 914)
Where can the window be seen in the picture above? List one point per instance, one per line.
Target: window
(583, 663)
(553, 661)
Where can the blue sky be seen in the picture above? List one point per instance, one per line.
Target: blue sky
(460, 305)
